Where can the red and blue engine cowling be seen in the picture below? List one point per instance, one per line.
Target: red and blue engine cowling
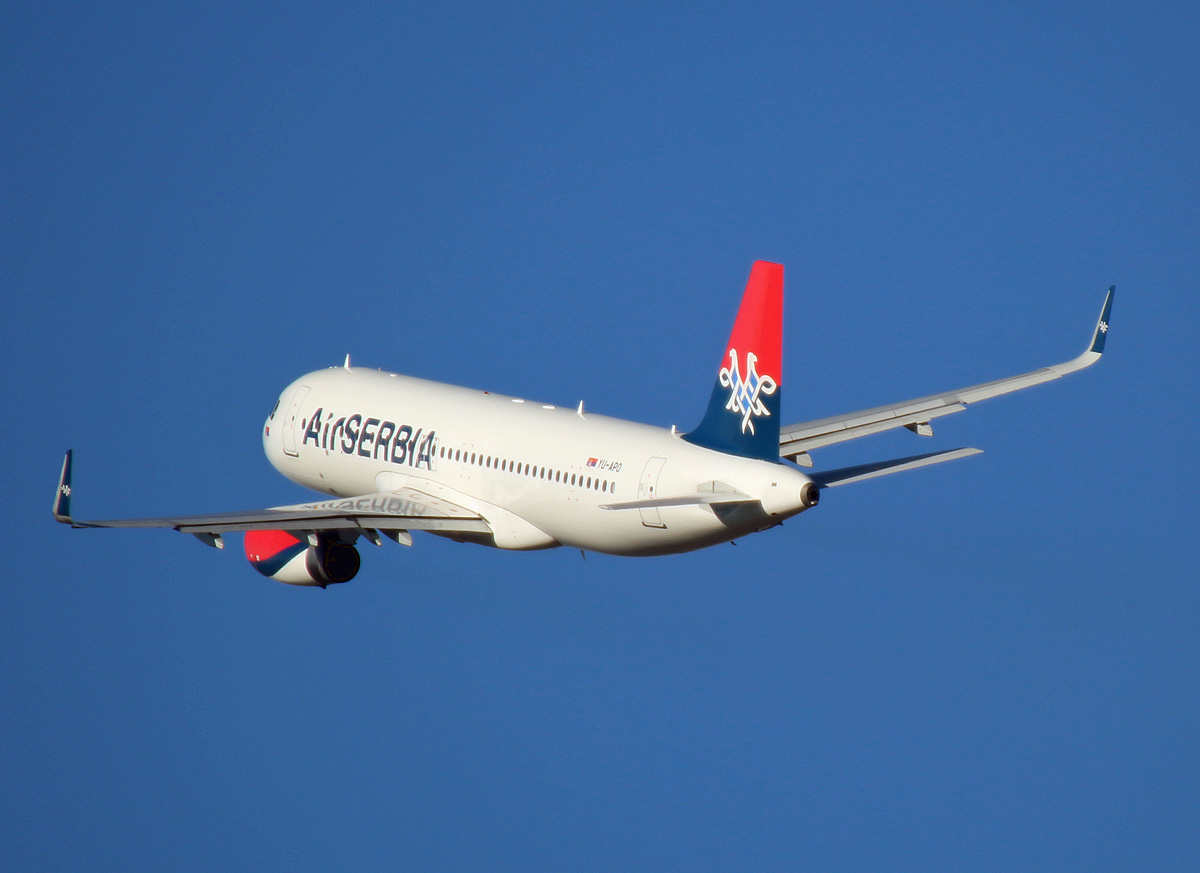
(284, 557)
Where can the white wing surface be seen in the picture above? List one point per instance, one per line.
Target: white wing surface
(402, 510)
(797, 440)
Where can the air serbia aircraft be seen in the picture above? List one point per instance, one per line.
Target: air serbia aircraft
(399, 454)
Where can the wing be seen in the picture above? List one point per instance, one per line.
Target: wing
(798, 439)
(402, 510)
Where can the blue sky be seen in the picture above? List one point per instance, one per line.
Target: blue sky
(986, 665)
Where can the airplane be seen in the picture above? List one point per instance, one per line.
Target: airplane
(397, 454)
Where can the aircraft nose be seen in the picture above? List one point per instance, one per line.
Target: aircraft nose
(270, 431)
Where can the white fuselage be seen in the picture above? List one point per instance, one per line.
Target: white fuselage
(538, 474)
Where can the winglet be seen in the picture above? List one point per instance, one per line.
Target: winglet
(62, 497)
(1096, 347)
(1101, 333)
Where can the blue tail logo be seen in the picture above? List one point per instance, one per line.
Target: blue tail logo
(744, 394)
(743, 412)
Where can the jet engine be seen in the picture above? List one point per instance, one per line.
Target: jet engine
(284, 557)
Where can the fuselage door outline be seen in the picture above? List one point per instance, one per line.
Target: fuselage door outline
(290, 422)
(648, 490)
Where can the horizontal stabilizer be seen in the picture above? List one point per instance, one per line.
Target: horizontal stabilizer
(689, 500)
(846, 475)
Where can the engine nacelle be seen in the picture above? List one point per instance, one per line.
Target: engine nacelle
(282, 556)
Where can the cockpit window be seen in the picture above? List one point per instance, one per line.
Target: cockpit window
(274, 410)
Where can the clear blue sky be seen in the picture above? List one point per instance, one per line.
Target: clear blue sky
(989, 665)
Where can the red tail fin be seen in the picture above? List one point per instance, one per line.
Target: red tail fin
(743, 413)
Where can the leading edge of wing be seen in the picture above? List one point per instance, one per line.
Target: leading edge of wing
(799, 438)
(405, 509)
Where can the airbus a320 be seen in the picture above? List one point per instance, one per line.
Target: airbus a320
(396, 454)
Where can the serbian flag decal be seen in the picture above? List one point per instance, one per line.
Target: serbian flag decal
(743, 413)
(271, 551)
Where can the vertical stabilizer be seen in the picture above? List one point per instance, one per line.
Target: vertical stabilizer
(743, 412)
